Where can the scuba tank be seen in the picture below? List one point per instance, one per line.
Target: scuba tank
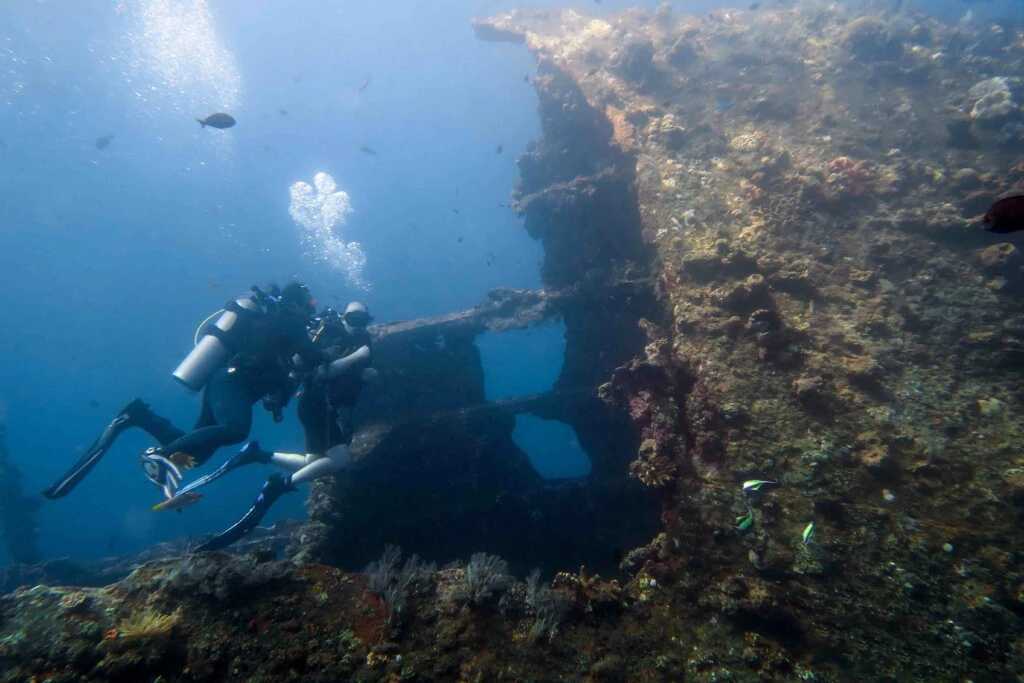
(222, 340)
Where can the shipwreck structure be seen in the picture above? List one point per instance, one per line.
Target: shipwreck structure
(793, 358)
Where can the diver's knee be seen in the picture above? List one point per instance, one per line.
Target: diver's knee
(339, 456)
(235, 433)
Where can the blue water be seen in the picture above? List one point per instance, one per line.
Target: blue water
(109, 259)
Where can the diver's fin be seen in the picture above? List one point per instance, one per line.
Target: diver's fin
(275, 487)
(76, 474)
(97, 450)
(249, 453)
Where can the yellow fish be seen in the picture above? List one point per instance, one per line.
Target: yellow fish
(179, 503)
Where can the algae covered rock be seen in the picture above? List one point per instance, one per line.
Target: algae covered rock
(869, 40)
(992, 102)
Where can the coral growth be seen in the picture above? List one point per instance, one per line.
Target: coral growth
(485, 576)
(650, 467)
(868, 360)
(145, 625)
(395, 584)
(851, 177)
(588, 592)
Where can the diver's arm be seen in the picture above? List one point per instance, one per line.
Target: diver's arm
(342, 365)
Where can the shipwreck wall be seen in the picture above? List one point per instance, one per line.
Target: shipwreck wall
(438, 473)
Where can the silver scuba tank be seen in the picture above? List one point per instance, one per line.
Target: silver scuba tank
(211, 352)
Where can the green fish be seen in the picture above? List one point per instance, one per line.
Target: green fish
(756, 484)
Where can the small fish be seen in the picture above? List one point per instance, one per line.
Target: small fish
(500, 147)
(526, 78)
(808, 532)
(723, 106)
(756, 484)
(1006, 215)
(459, 239)
(743, 522)
(367, 150)
(282, 112)
(212, 285)
(94, 403)
(366, 83)
(754, 6)
(179, 503)
(297, 78)
(218, 120)
(103, 142)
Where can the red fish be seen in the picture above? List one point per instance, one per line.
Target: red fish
(1006, 215)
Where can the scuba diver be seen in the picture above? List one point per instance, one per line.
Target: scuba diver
(325, 410)
(254, 351)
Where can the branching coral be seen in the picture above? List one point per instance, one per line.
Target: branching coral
(650, 467)
(587, 591)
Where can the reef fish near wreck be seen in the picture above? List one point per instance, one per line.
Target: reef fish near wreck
(367, 150)
(178, 503)
(1006, 215)
(103, 142)
(218, 120)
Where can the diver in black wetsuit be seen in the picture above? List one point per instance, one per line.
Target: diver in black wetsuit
(243, 362)
(325, 411)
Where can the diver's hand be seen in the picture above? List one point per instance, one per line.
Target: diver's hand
(320, 375)
(368, 374)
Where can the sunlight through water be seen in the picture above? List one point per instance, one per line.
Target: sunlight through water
(182, 65)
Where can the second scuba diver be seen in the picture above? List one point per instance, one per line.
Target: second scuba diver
(325, 411)
(248, 354)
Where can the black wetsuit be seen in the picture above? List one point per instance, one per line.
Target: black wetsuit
(260, 369)
(326, 405)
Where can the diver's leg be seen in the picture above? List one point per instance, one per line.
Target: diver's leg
(227, 400)
(336, 456)
(334, 460)
(135, 414)
(160, 428)
(275, 487)
(292, 462)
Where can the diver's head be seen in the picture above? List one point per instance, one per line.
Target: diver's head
(356, 315)
(298, 294)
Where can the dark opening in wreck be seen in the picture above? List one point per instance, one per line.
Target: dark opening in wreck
(438, 471)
